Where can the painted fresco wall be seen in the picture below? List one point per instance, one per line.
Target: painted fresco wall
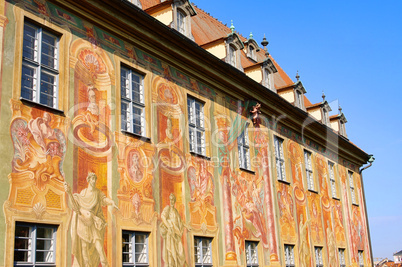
(78, 158)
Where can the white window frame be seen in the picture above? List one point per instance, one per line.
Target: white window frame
(319, 262)
(309, 170)
(196, 123)
(202, 259)
(267, 78)
(128, 123)
(341, 255)
(251, 250)
(352, 187)
(181, 21)
(32, 245)
(360, 253)
(280, 159)
(243, 145)
(132, 245)
(332, 181)
(232, 55)
(299, 99)
(39, 68)
(289, 255)
(325, 116)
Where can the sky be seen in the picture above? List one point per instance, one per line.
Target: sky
(350, 50)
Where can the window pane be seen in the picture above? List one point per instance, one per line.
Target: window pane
(30, 43)
(22, 231)
(44, 232)
(22, 256)
(28, 81)
(48, 51)
(44, 256)
(47, 92)
(22, 243)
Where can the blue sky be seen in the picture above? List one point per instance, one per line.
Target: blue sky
(352, 51)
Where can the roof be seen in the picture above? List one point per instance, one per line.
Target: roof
(398, 253)
(149, 3)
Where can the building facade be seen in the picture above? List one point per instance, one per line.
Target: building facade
(147, 133)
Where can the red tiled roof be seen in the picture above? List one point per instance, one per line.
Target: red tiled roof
(206, 28)
(149, 3)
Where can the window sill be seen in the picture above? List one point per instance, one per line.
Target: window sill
(283, 181)
(336, 198)
(313, 191)
(200, 155)
(246, 170)
(138, 136)
(355, 204)
(36, 104)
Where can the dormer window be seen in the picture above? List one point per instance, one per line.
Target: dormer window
(232, 56)
(299, 95)
(181, 20)
(267, 78)
(342, 130)
(182, 12)
(299, 99)
(325, 117)
(252, 51)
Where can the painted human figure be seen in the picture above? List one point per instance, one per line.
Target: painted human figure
(88, 224)
(135, 168)
(331, 246)
(92, 106)
(172, 228)
(303, 246)
(41, 130)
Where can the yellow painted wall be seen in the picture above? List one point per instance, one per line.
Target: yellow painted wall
(255, 74)
(288, 95)
(165, 16)
(218, 50)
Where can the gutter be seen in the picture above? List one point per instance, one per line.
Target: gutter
(370, 161)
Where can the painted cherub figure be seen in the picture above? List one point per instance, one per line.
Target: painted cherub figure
(255, 115)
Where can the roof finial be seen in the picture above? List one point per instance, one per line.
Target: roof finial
(297, 75)
(340, 109)
(264, 43)
(323, 96)
(251, 36)
(231, 26)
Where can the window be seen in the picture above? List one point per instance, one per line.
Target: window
(332, 179)
(309, 170)
(39, 81)
(318, 257)
(352, 187)
(244, 149)
(361, 259)
(232, 56)
(181, 22)
(267, 79)
(135, 248)
(132, 102)
(342, 130)
(280, 159)
(202, 251)
(299, 99)
(251, 253)
(289, 256)
(196, 126)
(342, 262)
(35, 244)
(325, 118)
